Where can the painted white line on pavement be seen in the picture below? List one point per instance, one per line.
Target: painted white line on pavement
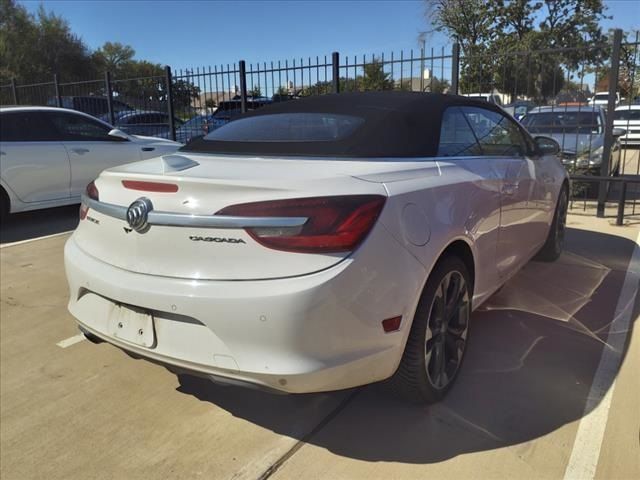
(586, 447)
(29, 240)
(71, 341)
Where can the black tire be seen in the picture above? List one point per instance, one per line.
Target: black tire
(552, 248)
(437, 341)
(4, 205)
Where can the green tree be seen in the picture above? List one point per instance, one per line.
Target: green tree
(319, 88)
(255, 92)
(184, 93)
(629, 69)
(501, 41)
(17, 35)
(374, 78)
(114, 57)
(34, 47)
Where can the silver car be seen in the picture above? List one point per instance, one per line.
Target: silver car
(580, 132)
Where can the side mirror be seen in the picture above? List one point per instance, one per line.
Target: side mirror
(547, 146)
(118, 134)
(618, 132)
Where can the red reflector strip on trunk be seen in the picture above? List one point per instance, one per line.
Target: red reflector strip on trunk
(150, 186)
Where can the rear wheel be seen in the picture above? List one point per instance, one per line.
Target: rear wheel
(438, 338)
(554, 245)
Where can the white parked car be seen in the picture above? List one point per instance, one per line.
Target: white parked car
(602, 99)
(487, 97)
(319, 244)
(627, 117)
(48, 155)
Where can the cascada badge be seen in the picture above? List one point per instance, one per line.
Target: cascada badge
(196, 238)
(138, 214)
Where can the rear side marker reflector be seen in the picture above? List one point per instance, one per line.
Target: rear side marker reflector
(150, 186)
(391, 324)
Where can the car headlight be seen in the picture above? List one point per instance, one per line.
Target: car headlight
(590, 158)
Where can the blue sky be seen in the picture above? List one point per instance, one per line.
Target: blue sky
(197, 33)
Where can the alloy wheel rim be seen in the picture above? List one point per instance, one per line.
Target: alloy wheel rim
(447, 328)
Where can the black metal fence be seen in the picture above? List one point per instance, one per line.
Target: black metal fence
(185, 103)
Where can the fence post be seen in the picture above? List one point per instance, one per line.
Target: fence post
(172, 123)
(109, 90)
(455, 67)
(56, 86)
(243, 85)
(335, 74)
(608, 131)
(622, 201)
(14, 89)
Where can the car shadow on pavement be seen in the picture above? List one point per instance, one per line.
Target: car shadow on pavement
(38, 223)
(533, 352)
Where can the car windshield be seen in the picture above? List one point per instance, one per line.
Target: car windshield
(195, 122)
(563, 122)
(627, 114)
(602, 96)
(288, 127)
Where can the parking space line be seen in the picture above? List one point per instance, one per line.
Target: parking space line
(67, 342)
(588, 442)
(29, 240)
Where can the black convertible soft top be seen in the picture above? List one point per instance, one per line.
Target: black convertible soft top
(393, 124)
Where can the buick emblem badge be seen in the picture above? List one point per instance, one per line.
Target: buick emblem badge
(138, 213)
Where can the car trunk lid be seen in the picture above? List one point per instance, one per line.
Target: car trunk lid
(201, 186)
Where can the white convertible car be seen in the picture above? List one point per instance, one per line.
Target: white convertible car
(48, 155)
(318, 244)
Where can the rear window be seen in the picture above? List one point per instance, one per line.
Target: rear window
(627, 114)
(563, 122)
(288, 127)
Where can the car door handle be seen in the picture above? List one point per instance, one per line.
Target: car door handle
(80, 151)
(510, 188)
(2, 152)
(148, 149)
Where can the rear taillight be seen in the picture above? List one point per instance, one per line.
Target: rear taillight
(91, 192)
(335, 224)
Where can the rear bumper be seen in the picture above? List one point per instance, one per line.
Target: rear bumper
(311, 333)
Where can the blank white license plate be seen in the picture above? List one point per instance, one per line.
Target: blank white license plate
(133, 325)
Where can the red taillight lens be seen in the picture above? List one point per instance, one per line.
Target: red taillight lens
(91, 192)
(335, 224)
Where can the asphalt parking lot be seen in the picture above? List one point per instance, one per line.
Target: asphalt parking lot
(549, 388)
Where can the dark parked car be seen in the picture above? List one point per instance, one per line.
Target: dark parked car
(149, 123)
(93, 105)
(195, 127)
(230, 109)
